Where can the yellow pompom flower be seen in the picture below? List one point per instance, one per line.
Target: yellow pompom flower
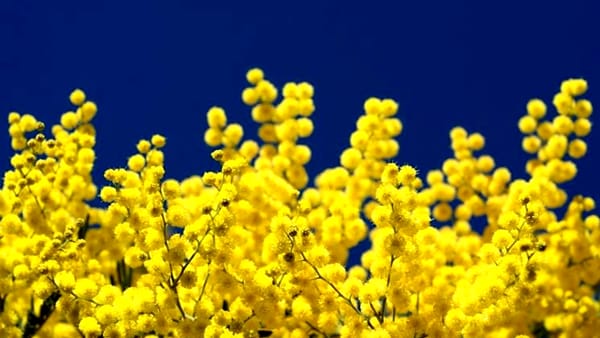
(372, 290)
(489, 253)
(42, 288)
(124, 232)
(305, 127)
(136, 162)
(392, 126)
(458, 133)
(152, 239)
(86, 288)
(368, 123)
(350, 158)
(286, 109)
(556, 146)
(577, 148)
(77, 97)
(301, 308)
(563, 124)
(213, 137)
(90, 327)
(390, 173)
(266, 91)
(536, 108)
(135, 257)
(318, 255)
(407, 175)
(254, 75)
(442, 212)
(373, 106)
(592, 222)
(476, 141)
(589, 204)
(389, 107)
(13, 117)
(69, 120)
(15, 131)
(531, 144)
(158, 141)
(502, 174)
(455, 319)
(302, 154)
(144, 146)
(583, 108)
(574, 87)
(189, 279)
(527, 124)
(502, 238)
(328, 321)
(21, 271)
(216, 118)
(107, 294)
(65, 280)
(178, 216)
(170, 189)
(263, 112)
(28, 123)
(232, 135)
(249, 149)
(564, 103)
(290, 90)
(359, 140)
(88, 111)
(444, 192)
(582, 127)
(250, 96)
(86, 155)
(106, 314)
(434, 177)
(463, 212)
(305, 90)
(545, 130)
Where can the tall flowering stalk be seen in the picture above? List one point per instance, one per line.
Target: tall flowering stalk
(252, 251)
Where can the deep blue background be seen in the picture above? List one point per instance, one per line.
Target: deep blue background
(157, 66)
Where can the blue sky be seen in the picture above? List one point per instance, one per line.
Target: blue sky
(157, 66)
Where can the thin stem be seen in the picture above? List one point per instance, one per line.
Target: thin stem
(314, 328)
(204, 285)
(189, 261)
(384, 301)
(348, 300)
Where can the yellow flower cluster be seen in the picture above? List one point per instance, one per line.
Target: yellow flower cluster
(252, 251)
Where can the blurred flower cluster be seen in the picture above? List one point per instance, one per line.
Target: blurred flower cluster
(252, 251)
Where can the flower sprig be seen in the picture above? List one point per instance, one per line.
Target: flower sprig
(253, 250)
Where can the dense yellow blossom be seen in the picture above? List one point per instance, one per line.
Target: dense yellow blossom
(252, 250)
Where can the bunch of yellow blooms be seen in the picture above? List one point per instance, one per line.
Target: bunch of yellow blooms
(251, 251)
